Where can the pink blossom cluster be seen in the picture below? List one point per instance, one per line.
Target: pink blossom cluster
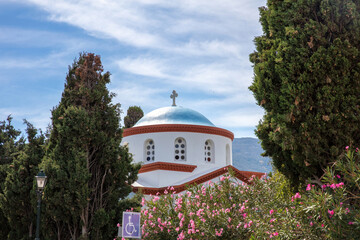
(229, 208)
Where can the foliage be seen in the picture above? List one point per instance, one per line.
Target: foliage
(18, 199)
(10, 144)
(307, 78)
(134, 113)
(264, 209)
(88, 171)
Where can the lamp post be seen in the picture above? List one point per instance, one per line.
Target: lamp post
(40, 183)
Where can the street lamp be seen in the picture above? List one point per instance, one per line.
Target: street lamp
(40, 183)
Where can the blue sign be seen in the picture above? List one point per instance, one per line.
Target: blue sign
(131, 225)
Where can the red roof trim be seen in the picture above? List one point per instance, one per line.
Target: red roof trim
(242, 175)
(178, 128)
(167, 166)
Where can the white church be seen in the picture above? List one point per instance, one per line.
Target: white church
(178, 147)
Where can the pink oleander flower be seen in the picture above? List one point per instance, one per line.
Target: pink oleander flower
(155, 199)
(181, 236)
(118, 225)
(271, 212)
(347, 147)
(218, 233)
(351, 223)
(338, 176)
(297, 195)
(331, 213)
(311, 224)
(308, 188)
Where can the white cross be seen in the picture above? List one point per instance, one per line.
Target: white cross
(173, 96)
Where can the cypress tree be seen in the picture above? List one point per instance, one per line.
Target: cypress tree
(18, 200)
(10, 144)
(88, 171)
(134, 113)
(307, 79)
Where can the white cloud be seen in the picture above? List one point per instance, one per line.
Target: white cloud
(209, 48)
(39, 117)
(153, 24)
(239, 118)
(115, 19)
(200, 48)
(136, 94)
(49, 61)
(149, 67)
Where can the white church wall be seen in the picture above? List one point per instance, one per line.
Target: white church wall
(164, 143)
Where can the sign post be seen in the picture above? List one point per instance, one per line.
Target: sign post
(131, 225)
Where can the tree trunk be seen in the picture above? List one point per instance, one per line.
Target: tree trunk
(30, 230)
(85, 222)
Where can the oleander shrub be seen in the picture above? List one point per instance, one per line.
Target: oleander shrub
(265, 208)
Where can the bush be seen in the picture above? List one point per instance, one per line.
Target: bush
(264, 209)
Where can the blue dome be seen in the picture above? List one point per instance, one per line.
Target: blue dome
(173, 115)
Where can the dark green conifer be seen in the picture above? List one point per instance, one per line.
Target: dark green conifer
(134, 113)
(18, 199)
(10, 143)
(88, 171)
(307, 79)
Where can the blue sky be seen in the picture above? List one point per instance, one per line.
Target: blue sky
(200, 48)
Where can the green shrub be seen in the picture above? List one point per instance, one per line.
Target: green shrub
(264, 209)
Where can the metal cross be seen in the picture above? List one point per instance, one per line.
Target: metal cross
(173, 96)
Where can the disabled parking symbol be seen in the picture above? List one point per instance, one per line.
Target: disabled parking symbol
(131, 225)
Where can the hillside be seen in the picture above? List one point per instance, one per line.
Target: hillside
(247, 155)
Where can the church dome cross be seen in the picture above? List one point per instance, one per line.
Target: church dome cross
(173, 96)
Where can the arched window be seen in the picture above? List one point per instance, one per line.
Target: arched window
(209, 151)
(180, 149)
(228, 161)
(149, 150)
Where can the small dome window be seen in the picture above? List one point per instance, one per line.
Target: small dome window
(180, 149)
(149, 151)
(209, 156)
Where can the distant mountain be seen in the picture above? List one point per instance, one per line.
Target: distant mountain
(247, 155)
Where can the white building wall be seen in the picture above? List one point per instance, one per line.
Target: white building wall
(165, 150)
